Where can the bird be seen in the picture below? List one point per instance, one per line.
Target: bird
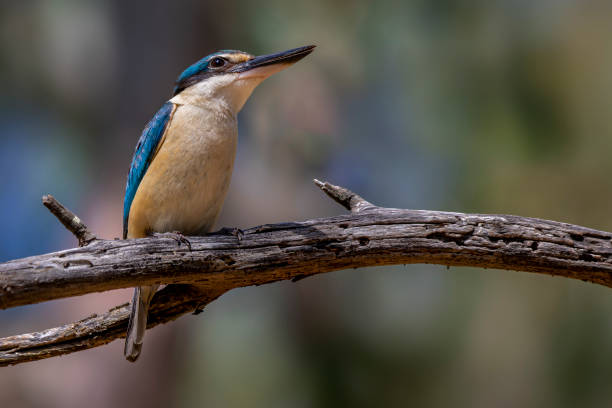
(183, 161)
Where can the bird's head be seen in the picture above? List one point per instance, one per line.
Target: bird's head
(231, 76)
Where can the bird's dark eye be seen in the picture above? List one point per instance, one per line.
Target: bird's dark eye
(217, 62)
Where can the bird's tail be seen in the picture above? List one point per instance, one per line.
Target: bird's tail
(138, 321)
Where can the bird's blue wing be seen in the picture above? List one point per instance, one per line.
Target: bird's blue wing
(145, 149)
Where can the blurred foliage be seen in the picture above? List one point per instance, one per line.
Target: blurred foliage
(484, 106)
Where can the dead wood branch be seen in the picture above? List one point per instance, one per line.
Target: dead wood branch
(69, 220)
(219, 262)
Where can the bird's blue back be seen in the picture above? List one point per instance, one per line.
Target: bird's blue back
(146, 147)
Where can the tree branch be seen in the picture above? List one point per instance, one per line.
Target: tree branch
(69, 220)
(168, 304)
(222, 261)
(345, 197)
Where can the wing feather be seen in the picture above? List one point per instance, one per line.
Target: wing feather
(148, 145)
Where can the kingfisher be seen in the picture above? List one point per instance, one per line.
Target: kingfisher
(182, 166)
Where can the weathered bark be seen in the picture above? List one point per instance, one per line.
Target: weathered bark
(219, 262)
(168, 304)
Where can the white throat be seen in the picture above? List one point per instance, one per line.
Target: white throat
(228, 92)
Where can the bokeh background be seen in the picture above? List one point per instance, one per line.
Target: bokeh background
(476, 106)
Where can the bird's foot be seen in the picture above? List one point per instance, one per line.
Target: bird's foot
(236, 232)
(177, 236)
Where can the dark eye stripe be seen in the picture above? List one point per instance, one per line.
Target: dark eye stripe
(203, 69)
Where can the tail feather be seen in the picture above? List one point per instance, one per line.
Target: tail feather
(138, 321)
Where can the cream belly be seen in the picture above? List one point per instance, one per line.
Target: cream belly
(186, 183)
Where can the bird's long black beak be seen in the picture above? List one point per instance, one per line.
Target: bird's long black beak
(286, 57)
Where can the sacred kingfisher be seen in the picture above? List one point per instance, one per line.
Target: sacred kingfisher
(184, 158)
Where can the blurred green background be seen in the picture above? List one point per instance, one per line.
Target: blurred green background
(477, 106)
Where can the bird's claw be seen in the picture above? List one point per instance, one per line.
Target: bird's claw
(177, 236)
(236, 232)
